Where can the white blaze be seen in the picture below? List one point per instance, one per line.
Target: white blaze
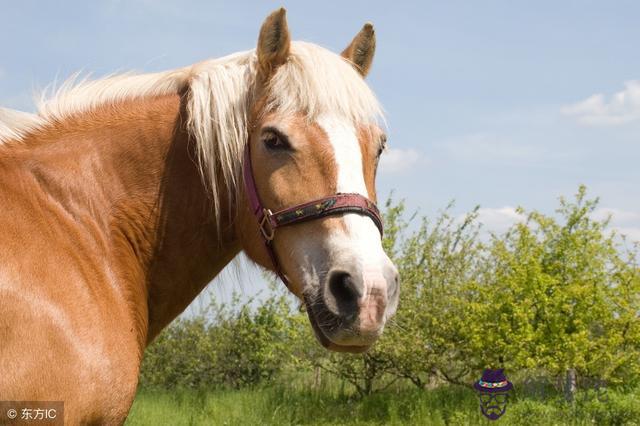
(362, 240)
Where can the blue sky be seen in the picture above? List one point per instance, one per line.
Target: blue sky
(496, 103)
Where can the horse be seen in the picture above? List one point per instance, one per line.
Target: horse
(123, 197)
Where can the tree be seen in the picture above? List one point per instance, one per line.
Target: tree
(435, 262)
(558, 295)
(231, 345)
(252, 344)
(183, 355)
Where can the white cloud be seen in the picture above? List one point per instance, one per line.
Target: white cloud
(618, 216)
(496, 220)
(499, 220)
(395, 160)
(632, 234)
(622, 221)
(623, 107)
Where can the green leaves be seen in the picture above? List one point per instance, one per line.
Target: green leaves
(555, 283)
(552, 294)
(232, 345)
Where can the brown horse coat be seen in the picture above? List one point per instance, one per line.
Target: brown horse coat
(122, 199)
(106, 237)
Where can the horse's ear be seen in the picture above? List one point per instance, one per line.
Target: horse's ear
(362, 48)
(274, 42)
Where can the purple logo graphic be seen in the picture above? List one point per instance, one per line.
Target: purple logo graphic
(493, 391)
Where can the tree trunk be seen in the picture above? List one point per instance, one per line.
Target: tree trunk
(570, 385)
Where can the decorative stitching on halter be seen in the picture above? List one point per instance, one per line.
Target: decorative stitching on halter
(332, 205)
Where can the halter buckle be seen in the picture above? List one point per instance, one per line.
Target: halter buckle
(265, 225)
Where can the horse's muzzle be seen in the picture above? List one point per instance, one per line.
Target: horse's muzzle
(351, 307)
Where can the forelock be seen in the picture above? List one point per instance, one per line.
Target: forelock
(315, 81)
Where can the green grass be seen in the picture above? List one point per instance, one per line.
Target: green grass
(285, 405)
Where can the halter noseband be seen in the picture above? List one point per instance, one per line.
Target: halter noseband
(327, 206)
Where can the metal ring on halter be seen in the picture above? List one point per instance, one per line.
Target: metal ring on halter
(267, 234)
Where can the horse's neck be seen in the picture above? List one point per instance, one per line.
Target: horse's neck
(144, 184)
(184, 251)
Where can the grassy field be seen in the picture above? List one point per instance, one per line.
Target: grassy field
(281, 405)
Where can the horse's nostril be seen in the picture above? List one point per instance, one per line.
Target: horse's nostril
(342, 286)
(345, 290)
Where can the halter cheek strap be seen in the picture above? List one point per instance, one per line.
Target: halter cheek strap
(322, 207)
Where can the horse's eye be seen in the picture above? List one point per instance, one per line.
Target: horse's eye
(274, 140)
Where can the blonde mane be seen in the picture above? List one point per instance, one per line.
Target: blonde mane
(16, 124)
(220, 94)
